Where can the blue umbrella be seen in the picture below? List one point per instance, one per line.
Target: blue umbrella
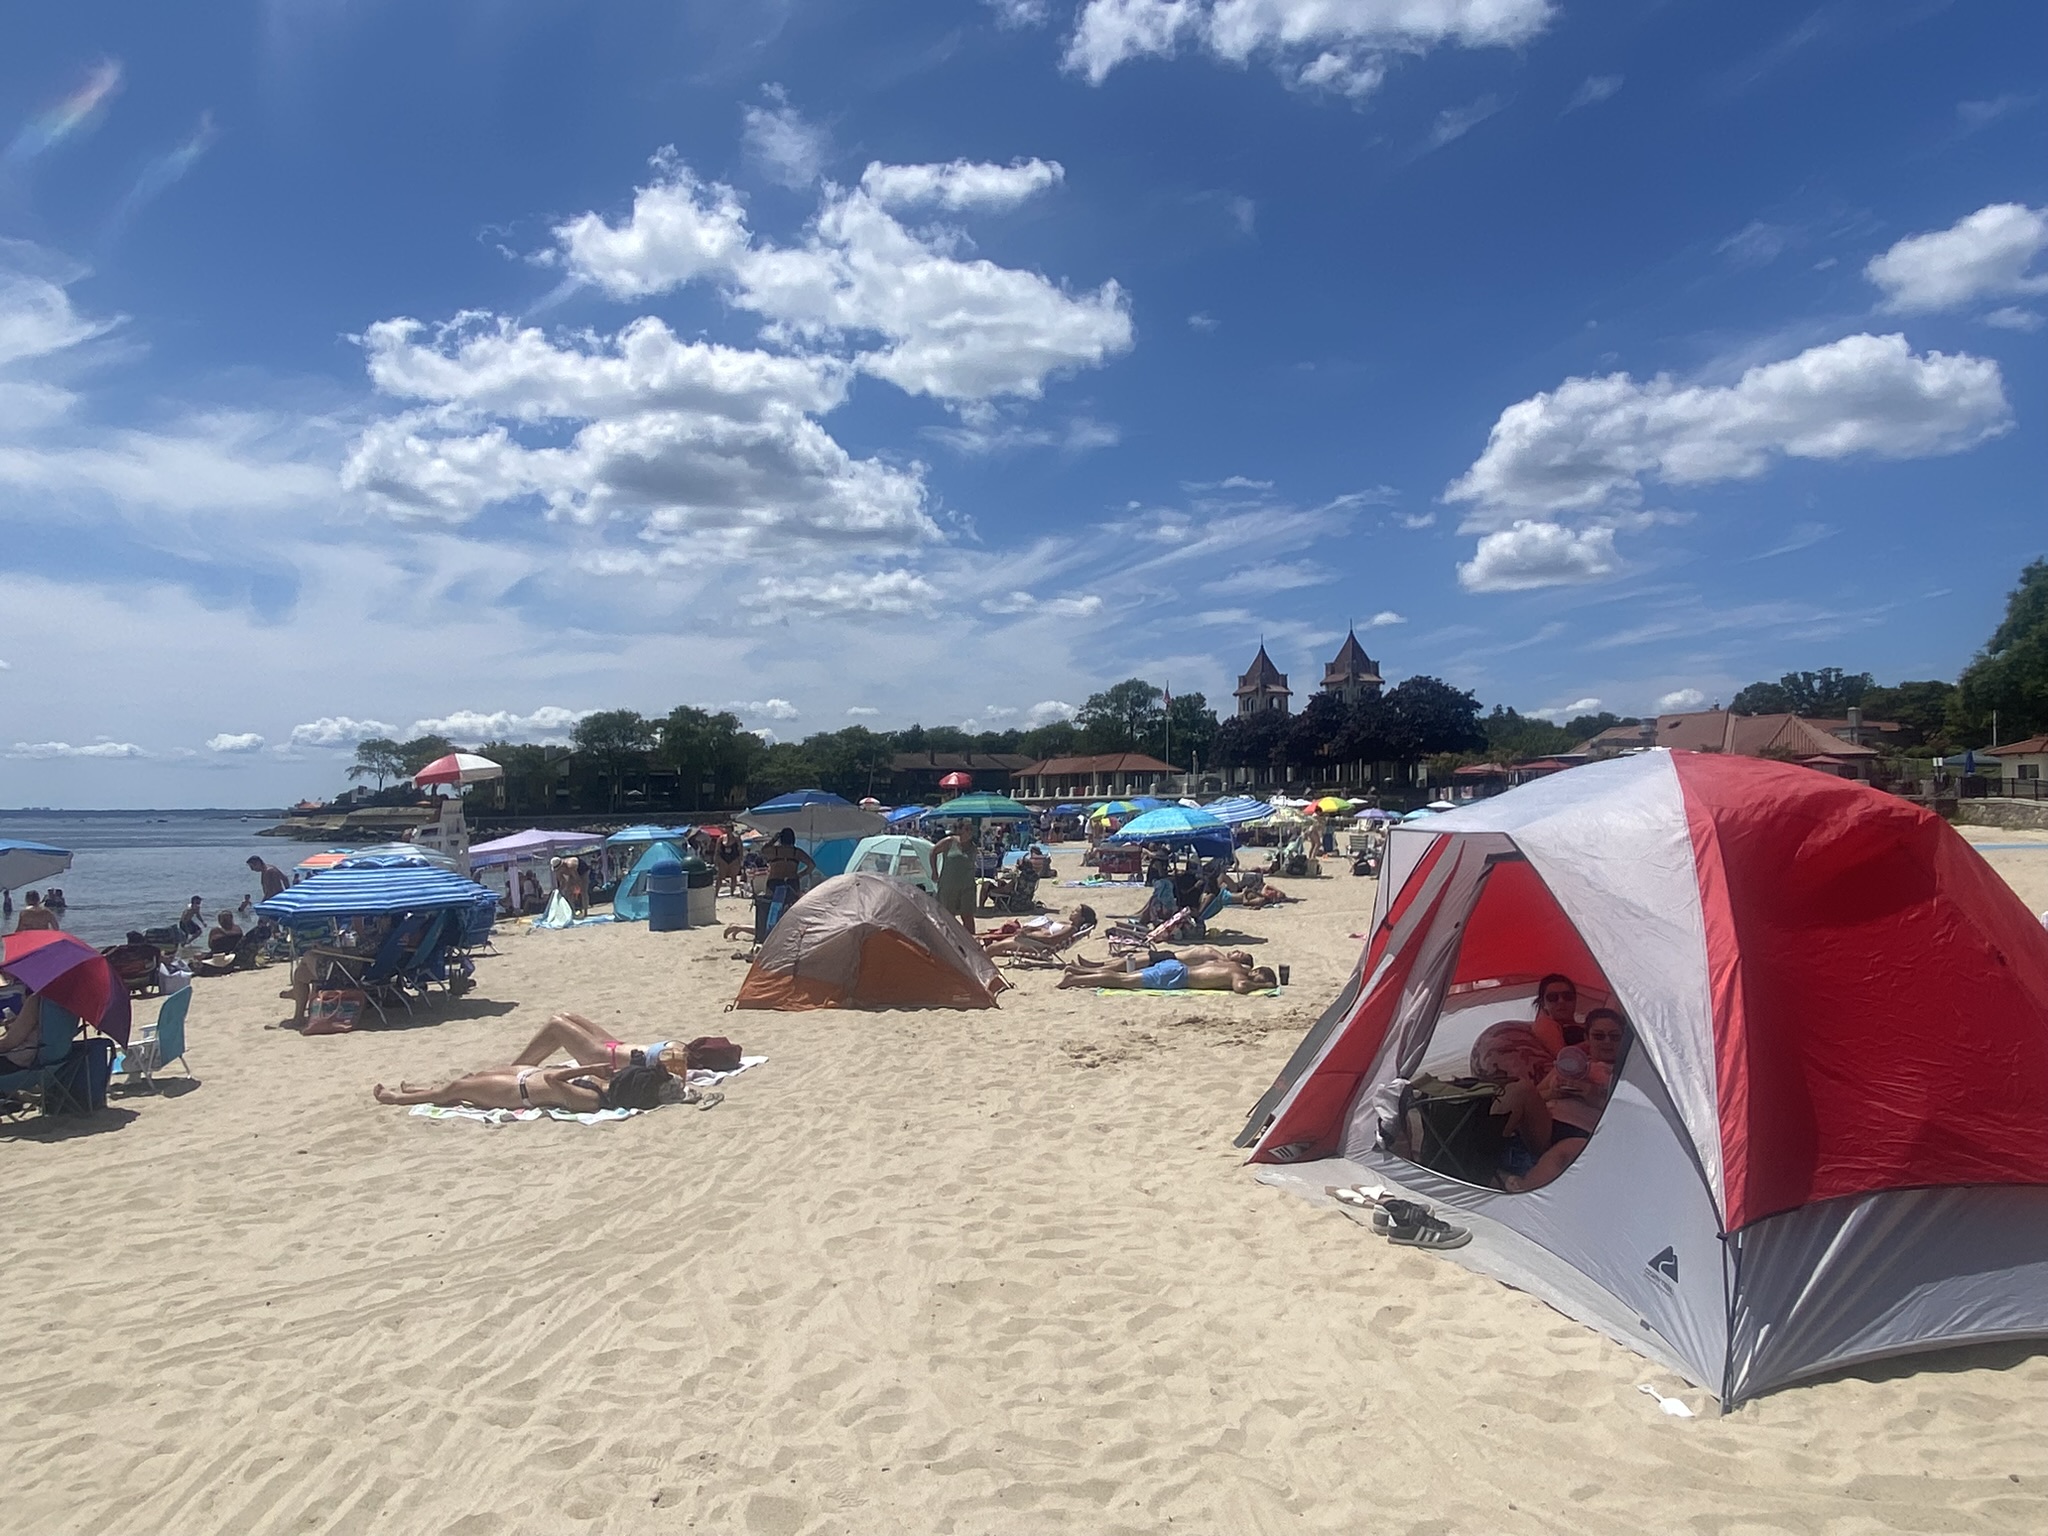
(904, 813)
(646, 834)
(1238, 809)
(1069, 810)
(796, 800)
(25, 863)
(1170, 824)
(346, 893)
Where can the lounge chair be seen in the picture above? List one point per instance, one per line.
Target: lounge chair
(1031, 951)
(1013, 890)
(45, 1079)
(159, 1043)
(377, 978)
(1127, 938)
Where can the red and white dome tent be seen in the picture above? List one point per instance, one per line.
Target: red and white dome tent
(1828, 1141)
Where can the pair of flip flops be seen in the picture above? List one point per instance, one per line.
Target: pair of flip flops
(1404, 1223)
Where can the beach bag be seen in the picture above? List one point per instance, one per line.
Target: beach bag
(334, 1013)
(713, 1053)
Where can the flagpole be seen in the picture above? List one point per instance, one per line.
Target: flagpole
(1169, 725)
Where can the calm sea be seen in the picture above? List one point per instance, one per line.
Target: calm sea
(137, 869)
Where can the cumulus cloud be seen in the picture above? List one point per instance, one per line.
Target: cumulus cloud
(1537, 554)
(1382, 619)
(1558, 714)
(549, 723)
(787, 147)
(696, 440)
(44, 750)
(766, 709)
(1593, 442)
(1046, 711)
(1986, 255)
(1341, 45)
(2010, 317)
(1018, 13)
(244, 741)
(337, 731)
(960, 183)
(861, 711)
(954, 329)
(1680, 700)
(886, 593)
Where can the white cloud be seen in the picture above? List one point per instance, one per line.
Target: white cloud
(1563, 712)
(1985, 255)
(1415, 520)
(1273, 576)
(861, 711)
(1046, 711)
(549, 723)
(1201, 320)
(1078, 607)
(1756, 244)
(1018, 13)
(787, 147)
(1680, 700)
(2011, 317)
(766, 709)
(698, 441)
(1591, 442)
(960, 184)
(37, 320)
(983, 432)
(1454, 123)
(1532, 554)
(245, 741)
(954, 329)
(1383, 619)
(338, 731)
(54, 749)
(1594, 90)
(1342, 45)
(880, 592)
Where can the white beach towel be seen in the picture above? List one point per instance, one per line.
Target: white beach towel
(697, 1079)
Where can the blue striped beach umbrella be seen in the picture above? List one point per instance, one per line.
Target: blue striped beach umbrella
(1170, 824)
(341, 894)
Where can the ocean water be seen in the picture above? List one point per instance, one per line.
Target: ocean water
(137, 869)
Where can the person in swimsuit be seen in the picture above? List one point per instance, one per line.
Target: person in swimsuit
(1178, 976)
(1606, 1033)
(1557, 1013)
(1044, 929)
(787, 867)
(1552, 1118)
(21, 1039)
(592, 1045)
(577, 1087)
(34, 914)
(729, 857)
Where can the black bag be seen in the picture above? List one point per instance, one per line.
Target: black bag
(714, 1053)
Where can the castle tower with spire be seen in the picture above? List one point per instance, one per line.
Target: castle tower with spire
(1353, 675)
(1263, 686)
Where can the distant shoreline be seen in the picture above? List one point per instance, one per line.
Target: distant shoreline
(254, 812)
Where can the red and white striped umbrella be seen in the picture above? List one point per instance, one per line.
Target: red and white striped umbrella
(458, 768)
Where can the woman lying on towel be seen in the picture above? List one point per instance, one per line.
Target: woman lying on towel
(579, 1088)
(1176, 975)
(592, 1045)
(1250, 891)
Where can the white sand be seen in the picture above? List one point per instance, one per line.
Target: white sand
(995, 1272)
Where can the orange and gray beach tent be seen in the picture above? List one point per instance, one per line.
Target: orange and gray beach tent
(869, 941)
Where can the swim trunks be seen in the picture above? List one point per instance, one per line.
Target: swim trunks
(1166, 976)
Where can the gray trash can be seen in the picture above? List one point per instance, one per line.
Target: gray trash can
(702, 880)
(668, 899)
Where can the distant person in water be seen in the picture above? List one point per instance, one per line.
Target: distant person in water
(53, 900)
(191, 922)
(274, 879)
(34, 915)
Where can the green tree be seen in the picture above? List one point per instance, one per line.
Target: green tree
(1191, 738)
(1512, 737)
(1124, 718)
(1258, 741)
(378, 757)
(1427, 715)
(422, 750)
(1816, 695)
(782, 767)
(1056, 738)
(2010, 675)
(1922, 708)
(610, 743)
(1582, 728)
(1313, 734)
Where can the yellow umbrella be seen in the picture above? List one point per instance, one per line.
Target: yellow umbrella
(1330, 805)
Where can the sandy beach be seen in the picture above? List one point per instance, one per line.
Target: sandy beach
(927, 1272)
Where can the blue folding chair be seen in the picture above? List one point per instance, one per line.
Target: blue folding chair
(160, 1043)
(45, 1076)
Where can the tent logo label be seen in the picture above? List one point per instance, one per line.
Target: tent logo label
(1665, 1265)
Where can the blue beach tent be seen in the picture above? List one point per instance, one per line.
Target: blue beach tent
(629, 904)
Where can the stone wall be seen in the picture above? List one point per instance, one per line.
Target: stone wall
(2002, 813)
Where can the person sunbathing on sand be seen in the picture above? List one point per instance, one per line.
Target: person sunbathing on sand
(579, 1088)
(592, 1045)
(1192, 954)
(1178, 976)
(1040, 930)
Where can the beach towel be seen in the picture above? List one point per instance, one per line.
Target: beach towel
(560, 915)
(697, 1079)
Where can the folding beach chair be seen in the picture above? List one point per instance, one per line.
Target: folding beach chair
(159, 1043)
(45, 1077)
(1030, 951)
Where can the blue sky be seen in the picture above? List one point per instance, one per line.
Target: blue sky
(369, 365)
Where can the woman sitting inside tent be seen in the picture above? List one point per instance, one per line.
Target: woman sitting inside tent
(1550, 1103)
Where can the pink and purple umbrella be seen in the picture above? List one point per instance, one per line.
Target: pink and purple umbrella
(71, 974)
